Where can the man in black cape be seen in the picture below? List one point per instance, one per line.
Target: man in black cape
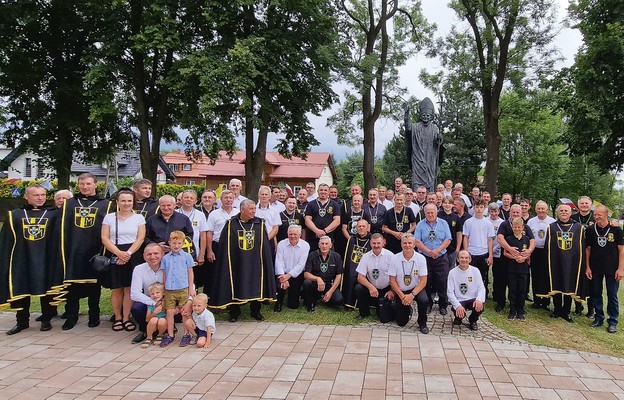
(80, 240)
(30, 263)
(357, 246)
(565, 241)
(244, 267)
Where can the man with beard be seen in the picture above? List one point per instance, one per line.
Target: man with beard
(30, 262)
(373, 281)
(244, 272)
(81, 222)
(322, 217)
(605, 262)
(565, 241)
(145, 204)
(357, 245)
(539, 260)
(376, 210)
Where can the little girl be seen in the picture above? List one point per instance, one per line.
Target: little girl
(156, 316)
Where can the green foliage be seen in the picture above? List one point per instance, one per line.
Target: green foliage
(174, 190)
(591, 91)
(347, 171)
(394, 162)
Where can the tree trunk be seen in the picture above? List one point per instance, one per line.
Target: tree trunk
(368, 170)
(492, 146)
(64, 158)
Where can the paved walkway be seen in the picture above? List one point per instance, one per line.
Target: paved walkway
(277, 361)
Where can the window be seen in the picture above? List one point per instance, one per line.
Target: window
(40, 171)
(174, 167)
(28, 168)
(186, 167)
(190, 182)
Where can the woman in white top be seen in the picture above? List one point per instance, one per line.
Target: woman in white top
(123, 233)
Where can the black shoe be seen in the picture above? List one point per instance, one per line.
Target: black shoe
(578, 310)
(457, 321)
(554, 315)
(535, 306)
(546, 307)
(233, 319)
(521, 317)
(612, 328)
(16, 329)
(93, 323)
(140, 337)
(529, 299)
(428, 309)
(424, 329)
(360, 317)
(277, 307)
(40, 318)
(590, 314)
(597, 323)
(443, 311)
(69, 324)
(473, 326)
(499, 307)
(311, 308)
(567, 318)
(45, 326)
(511, 316)
(257, 316)
(64, 315)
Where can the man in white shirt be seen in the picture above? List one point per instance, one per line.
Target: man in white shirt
(236, 186)
(290, 261)
(479, 236)
(539, 258)
(275, 199)
(465, 291)
(216, 222)
(373, 287)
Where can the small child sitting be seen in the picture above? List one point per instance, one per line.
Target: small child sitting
(202, 322)
(156, 315)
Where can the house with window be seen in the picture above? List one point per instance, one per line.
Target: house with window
(278, 170)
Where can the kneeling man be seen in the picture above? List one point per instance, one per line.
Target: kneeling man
(466, 291)
(323, 274)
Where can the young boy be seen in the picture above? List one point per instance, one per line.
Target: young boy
(518, 274)
(156, 316)
(202, 322)
(178, 280)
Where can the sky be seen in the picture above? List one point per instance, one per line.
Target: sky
(567, 41)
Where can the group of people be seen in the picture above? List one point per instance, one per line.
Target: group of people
(173, 258)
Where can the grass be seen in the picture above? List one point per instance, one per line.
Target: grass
(538, 329)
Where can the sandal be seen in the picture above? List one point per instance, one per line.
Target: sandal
(146, 344)
(129, 326)
(118, 326)
(158, 340)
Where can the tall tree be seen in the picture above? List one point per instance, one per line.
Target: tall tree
(268, 66)
(503, 42)
(43, 96)
(379, 35)
(592, 90)
(394, 162)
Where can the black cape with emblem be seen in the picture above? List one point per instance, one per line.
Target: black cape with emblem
(81, 234)
(30, 256)
(565, 247)
(356, 248)
(244, 268)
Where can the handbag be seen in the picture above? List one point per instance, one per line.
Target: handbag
(100, 262)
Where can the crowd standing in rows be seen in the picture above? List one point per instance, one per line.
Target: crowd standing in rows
(172, 259)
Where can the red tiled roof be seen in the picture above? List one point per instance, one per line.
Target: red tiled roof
(224, 166)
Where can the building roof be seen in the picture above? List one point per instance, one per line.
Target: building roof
(295, 167)
(128, 164)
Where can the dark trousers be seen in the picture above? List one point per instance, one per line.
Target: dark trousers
(499, 280)
(78, 291)
(402, 313)
(517, 291)
(385, 311)
(437, 270)
(540, 277)
(469, 306)
(613, 308)
(235, 310)
(480, 261)
(562, 304)
(23, 316)
(139, 312)
(294, 292)
(311, 294)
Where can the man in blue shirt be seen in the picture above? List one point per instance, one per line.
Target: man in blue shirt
(433, 236)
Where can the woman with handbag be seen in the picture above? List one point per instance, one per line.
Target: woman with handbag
(123, 233)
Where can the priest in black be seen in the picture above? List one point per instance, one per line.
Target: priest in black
(81, 226)
(357, 246)
(30, 263)
(565, 241)
(244, 267)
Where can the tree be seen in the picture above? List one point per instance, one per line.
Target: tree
(268, 65)
(394, 161)
(504, 42)
(44, 99)
(379, 36)
(592, 90)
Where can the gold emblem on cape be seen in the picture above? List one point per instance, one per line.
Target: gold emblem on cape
(564, 240)
(246, 239)
(33, 229)
(84, 217)
(357, 253)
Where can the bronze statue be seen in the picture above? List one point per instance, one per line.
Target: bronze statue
(424, 146)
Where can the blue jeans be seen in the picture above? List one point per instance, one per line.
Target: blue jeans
(613, 308)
